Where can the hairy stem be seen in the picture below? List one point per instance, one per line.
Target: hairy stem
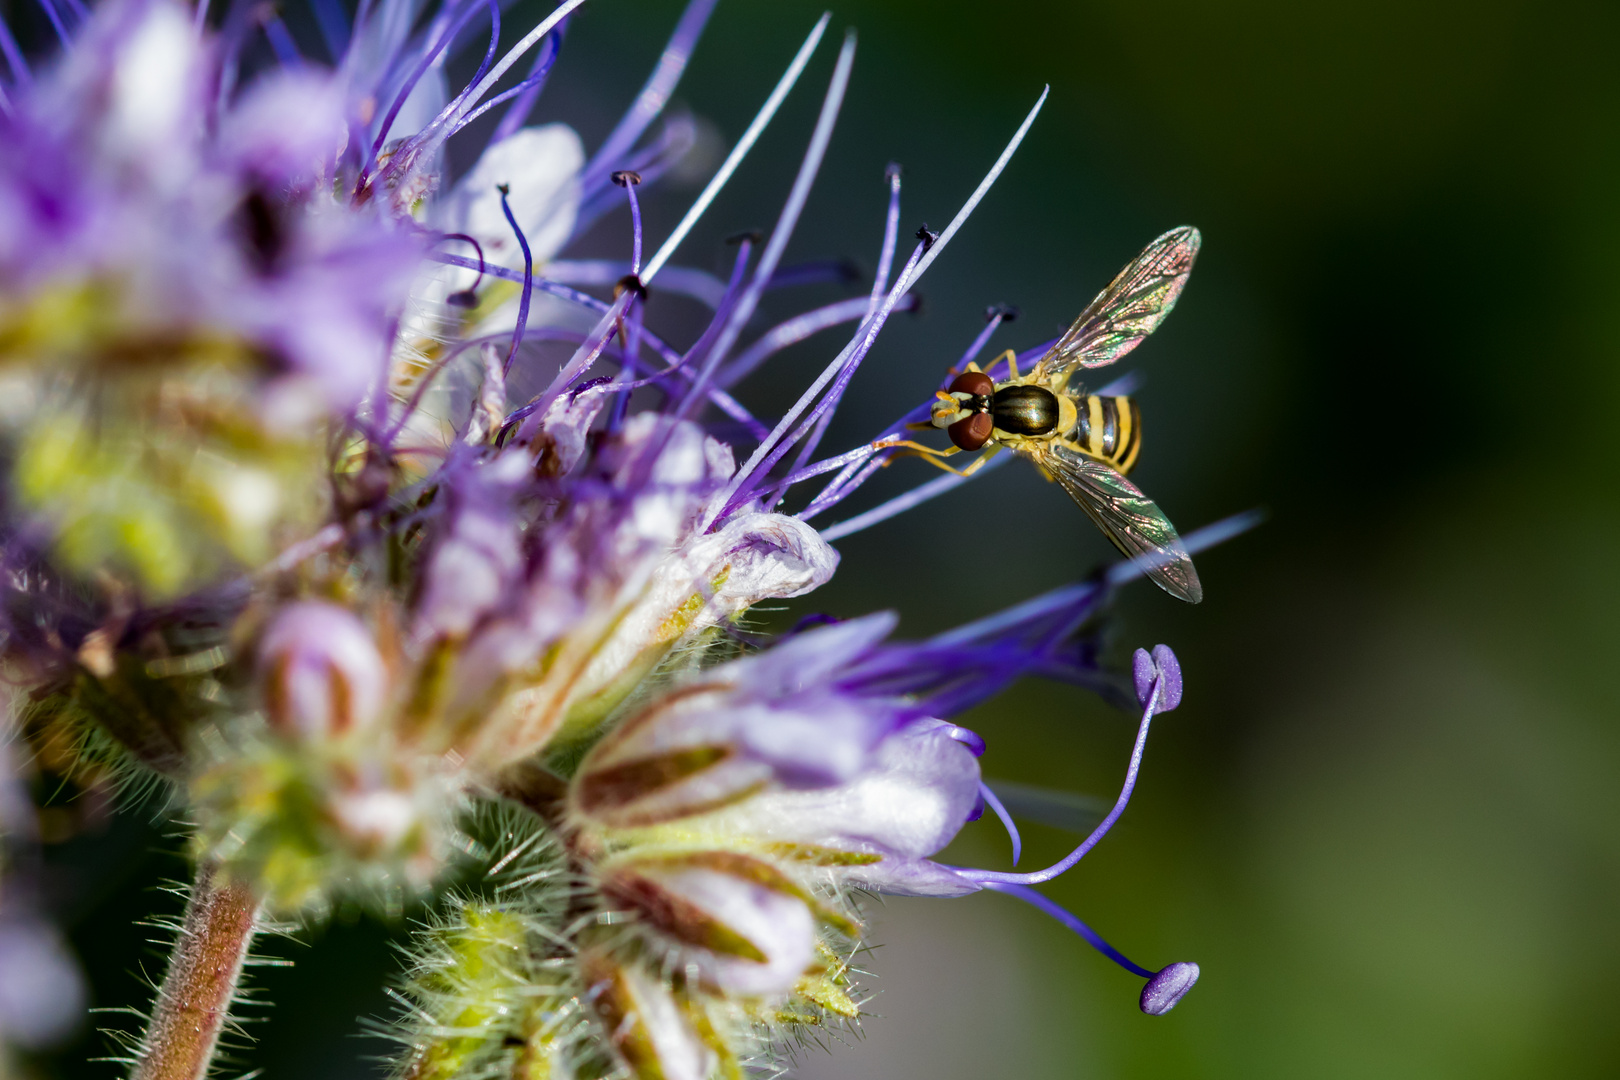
(195, 998)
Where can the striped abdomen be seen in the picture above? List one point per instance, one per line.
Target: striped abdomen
(1109, 429)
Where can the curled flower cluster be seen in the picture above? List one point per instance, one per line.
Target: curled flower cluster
(303, 516)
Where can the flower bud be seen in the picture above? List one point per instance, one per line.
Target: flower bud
(323, 674)
(643, 1021)
(745, 928)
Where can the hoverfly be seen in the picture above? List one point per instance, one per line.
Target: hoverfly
(1085, 442)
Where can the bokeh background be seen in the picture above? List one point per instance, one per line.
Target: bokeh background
(1386, 820)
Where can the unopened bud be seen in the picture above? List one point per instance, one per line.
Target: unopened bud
(1166, 989)
(323, 674)
(645, 1024)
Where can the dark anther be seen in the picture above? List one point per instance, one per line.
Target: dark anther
(265, 235)
(1008, 312)
(512, 1041)
(927, 236)
(504, 189)
(753, 236)
(916, 304)
(849, 270)
(466, 298)
(625, 177)
(629, 283)
(589, 384)
(891, 171)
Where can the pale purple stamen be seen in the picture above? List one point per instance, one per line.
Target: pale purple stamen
(994, 317)
(631, 180)
(333, 23)
(56, 21)
(897, 505)
(706, 340)
(446, 36)
(722, 400)
(791, 332)
(994, 803)
(771, 257)
(20, 72)
(528, 281)
(1165, 680)
(1073, 922)
(515, 117)
(654, 94)
(775, 446)
(750, 136)
(891, 236)
(282, 43)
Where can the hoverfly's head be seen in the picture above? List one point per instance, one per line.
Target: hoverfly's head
(964, 410)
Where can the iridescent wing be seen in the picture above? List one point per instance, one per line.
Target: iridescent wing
(1130, 309)
(1128, 518)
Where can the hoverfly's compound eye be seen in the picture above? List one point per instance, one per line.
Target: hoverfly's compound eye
(976, 383)
(971, 432)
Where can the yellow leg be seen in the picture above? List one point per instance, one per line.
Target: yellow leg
(1012, 363)
(933, 456)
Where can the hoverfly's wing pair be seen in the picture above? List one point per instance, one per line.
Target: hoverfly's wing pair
(1131, 520)
(1130, 309)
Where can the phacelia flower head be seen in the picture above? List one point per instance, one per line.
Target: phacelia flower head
(343, 501)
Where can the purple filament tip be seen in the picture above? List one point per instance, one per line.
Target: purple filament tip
(528, 280)
(994, 803)
(1072, 921)
(1166, 989)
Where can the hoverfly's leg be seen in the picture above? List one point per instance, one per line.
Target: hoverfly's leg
(989, 453)
(907, 448)
(1012, 363)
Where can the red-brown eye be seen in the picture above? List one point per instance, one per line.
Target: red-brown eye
(976, 383)
(971, 432)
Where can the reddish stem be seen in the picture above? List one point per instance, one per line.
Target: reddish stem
(195, 998)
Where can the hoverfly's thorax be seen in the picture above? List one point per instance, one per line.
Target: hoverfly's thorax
(1109, 429)
(1023, 409)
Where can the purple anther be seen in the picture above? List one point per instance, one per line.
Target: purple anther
(1165, 990)
(1161, 668)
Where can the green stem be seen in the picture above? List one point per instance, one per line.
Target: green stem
(195, 998)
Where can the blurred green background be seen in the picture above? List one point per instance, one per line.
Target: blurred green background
(1386, 820)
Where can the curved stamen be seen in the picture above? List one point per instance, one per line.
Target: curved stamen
(628, 180)
(1165, 988)
(993, 802)
(515, 117)
(1158, 686)
(528, 280)
(994, 316)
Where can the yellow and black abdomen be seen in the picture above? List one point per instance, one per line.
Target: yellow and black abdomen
(1109, 429)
